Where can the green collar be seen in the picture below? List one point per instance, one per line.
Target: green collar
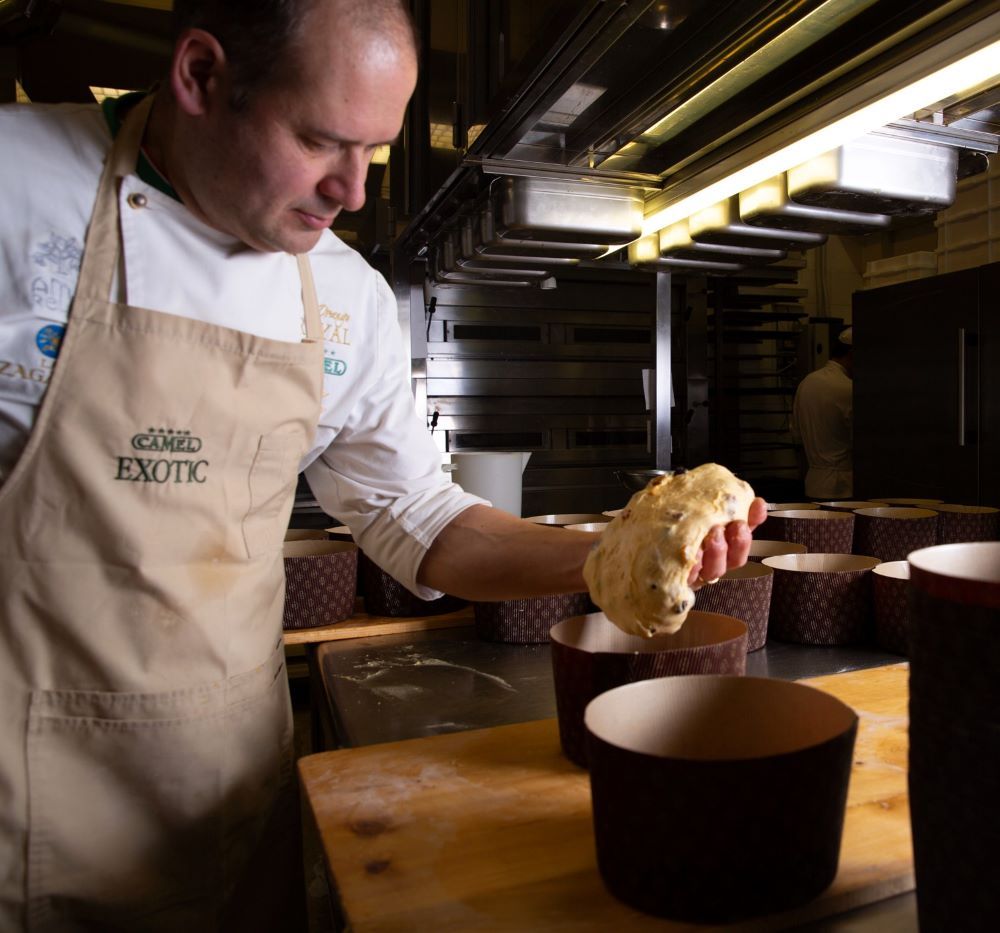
(115, 110)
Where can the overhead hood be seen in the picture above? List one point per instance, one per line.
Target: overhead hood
(681, 102)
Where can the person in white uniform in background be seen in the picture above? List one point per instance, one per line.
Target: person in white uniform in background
(823, 423)
(180, 335)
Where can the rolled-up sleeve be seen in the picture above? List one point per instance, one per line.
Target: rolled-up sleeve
(381, 474)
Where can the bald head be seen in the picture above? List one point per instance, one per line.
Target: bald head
(263, 39)
(388, 18)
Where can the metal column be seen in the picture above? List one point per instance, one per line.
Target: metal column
(662, 376)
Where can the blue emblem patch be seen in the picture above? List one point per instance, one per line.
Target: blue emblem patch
(334, 367)
(49, 340)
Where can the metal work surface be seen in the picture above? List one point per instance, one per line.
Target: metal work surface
(392, 687)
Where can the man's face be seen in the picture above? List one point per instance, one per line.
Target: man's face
(276, 173)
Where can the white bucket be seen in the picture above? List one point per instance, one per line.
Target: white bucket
(492, 475)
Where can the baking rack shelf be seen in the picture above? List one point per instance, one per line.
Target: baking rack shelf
(754, 331)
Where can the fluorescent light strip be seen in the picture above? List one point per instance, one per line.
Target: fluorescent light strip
(965, 73)
(813, 26)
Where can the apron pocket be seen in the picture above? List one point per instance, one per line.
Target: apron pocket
(144, 807)
(272, 490)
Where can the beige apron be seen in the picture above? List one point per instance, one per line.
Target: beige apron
(145, 727)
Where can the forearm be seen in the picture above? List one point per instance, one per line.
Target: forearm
(487, 554)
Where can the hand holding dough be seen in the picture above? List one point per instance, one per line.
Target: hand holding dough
(637, 573)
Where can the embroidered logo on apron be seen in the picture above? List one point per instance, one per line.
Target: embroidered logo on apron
(172, 466)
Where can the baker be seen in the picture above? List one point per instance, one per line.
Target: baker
(180, 335)
(823, 423)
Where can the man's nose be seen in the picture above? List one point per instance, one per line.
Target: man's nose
(346, 182)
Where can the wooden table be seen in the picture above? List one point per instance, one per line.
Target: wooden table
(362, 624)
(491, 829)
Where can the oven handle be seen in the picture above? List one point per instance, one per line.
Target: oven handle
(961, 387)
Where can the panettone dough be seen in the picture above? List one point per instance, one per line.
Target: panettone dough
(638, 571)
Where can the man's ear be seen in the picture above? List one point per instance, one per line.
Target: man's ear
(197, 71)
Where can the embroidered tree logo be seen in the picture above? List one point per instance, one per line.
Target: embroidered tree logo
(61, 253)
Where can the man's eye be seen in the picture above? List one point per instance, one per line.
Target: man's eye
(321, 145)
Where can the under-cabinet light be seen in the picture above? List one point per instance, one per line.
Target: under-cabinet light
(954, 78)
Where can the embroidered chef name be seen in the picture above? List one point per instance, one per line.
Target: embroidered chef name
(163, 455)
(336, 326)
(336, 332)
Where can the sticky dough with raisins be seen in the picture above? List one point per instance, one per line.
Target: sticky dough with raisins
(637, 573)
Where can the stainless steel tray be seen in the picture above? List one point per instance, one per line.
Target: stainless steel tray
(721, 224)
(442, 275)
(452, 260)
(475, 256)
(645, 254)
(768, 205)
(490, 243)
(883, 174)
(676, 243)
(567, 211)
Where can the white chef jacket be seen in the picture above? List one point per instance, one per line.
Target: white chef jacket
(822, 419)
(372, 463)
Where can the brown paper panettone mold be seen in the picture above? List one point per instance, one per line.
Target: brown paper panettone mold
(890, 600)
(958, 523)
(306, 534)
(954, 733)
(744, 593)
(761, 548)
(821, 599)
(890, 533)
(822, 531)
(717, 799)
(526, 621)
(384, 595)
(320, 582)
(850, 505)
(591, 655)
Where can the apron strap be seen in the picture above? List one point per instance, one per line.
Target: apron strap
(314, 330)
(101, 248)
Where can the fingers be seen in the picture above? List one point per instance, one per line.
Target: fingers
(714, 554)
(738, 539)
(726, 547)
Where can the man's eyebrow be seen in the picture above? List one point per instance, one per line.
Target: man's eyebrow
(334, 138)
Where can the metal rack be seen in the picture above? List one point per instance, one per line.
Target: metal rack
(754, 327)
